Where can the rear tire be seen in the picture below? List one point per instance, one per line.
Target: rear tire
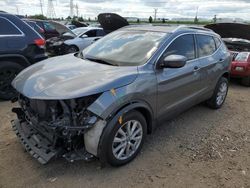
(220, 94)
(118, 134)
(246, 81)
(8, 71)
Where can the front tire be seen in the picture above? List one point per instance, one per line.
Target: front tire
(8, 71)
(122, 141)
(220, 94)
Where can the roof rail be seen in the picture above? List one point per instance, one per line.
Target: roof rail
(192, 27)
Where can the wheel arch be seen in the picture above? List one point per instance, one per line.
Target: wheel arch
(16, 58)
(139, 106)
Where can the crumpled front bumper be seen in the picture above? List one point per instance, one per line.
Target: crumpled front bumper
(36, 144)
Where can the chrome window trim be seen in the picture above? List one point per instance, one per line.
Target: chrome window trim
(158, 58)
(13, 35)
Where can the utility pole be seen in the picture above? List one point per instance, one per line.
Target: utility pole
(77, 10)
(51, 10)
(71, 5)
(155, 13)
(17, 10)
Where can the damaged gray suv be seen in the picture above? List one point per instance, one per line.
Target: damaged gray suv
(102, 102)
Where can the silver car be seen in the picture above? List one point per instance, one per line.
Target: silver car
(85, 37)
(103, 102)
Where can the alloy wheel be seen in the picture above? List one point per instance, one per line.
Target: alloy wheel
(127, 139)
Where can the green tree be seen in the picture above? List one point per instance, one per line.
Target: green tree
(150, 19)
(38, 16)
(138, 20)
(163, 20)
(80, 19)
(68, 18)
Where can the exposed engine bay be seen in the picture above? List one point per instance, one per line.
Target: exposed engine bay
(54, 128)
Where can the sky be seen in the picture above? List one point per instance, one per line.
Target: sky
(136, 8)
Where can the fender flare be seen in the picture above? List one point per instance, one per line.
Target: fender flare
(25, 62)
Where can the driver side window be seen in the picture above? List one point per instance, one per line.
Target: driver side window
(183, 45)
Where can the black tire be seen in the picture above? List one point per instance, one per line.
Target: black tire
(8, 71)
(106, 145)
(212, 102)
(72, 49)
(246, 81)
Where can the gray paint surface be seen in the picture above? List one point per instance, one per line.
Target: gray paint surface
(68, 77)
(165, 91)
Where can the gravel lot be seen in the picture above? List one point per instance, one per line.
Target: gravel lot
(200, 148)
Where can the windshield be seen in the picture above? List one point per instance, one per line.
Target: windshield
(125, 48)
(79, 31)
(243, 56)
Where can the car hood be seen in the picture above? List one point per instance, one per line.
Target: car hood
(231, 30)
(111, 22)
(68, 77)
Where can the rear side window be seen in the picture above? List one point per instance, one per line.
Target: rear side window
(183, 45)
(91, 33)
(7, 28)
(217, 42)
(206, 45)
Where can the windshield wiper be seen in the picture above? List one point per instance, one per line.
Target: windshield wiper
(100, 61)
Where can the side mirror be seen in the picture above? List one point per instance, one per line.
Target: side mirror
(84, 36)
(173, 61)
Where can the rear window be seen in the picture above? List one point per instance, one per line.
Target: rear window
(206, 45)
(48, 26)
(243, 56)
(7, 28)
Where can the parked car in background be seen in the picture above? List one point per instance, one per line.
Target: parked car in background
(71, 27)
(241, 68)
(49, 29)
(35, 26)
(20, 46)
(103, 101)
(84, 36)
(83, 40)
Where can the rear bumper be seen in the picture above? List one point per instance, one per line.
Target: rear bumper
(37, 145)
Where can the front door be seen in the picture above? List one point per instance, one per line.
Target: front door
(179, 88)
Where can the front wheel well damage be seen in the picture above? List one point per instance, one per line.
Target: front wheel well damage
(145, 111)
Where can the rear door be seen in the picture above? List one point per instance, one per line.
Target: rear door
(211, 59)
(179, 88)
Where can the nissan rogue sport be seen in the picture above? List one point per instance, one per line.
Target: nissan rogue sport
(102, 102)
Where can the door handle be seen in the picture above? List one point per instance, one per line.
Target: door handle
(221, 60)
(196, 68)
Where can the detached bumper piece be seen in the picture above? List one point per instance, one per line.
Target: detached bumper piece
(37, 145)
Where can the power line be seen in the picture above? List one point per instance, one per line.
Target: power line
(155, 13)
(51, 10)
(41, 6)
(71, 5)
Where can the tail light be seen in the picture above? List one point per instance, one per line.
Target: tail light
(40, 42)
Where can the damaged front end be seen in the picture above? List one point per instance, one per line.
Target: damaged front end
(53, 128)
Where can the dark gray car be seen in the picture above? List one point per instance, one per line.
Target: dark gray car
(104, 101)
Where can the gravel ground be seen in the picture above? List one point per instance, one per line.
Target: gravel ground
(200, 148)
